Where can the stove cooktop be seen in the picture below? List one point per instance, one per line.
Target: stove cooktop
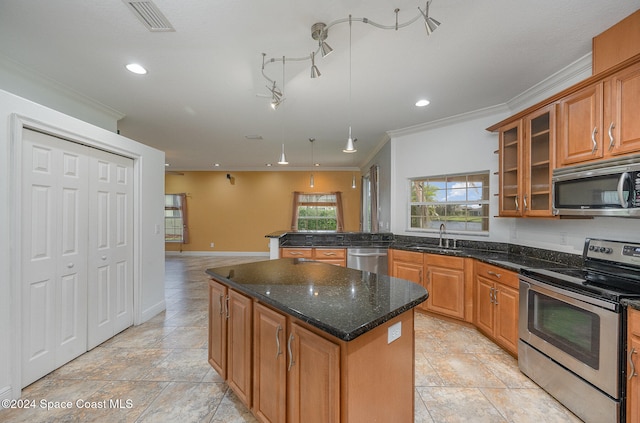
(589, 282)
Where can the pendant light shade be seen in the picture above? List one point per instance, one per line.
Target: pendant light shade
(353, 181)
(311, 181)
(315, 73)
(350, 147)
(283, 159)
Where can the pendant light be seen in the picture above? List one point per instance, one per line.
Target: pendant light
(353, 181)
(350, 148)
(283, 159)
(311, 181)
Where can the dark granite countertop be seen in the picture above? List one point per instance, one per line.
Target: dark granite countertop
(509, 260)
(631, 303)
(342, 302)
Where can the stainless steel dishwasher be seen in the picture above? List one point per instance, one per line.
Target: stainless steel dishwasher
(369, 259)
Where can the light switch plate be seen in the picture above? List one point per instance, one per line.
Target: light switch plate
(394, 332)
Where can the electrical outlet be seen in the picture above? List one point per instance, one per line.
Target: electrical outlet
(212, 244)
(394, 332)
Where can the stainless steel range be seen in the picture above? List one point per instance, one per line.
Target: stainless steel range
(572, 328)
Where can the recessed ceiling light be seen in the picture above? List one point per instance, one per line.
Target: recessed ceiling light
(166, 164)
(136, 68)
(422, 103)
(216, 164)
(268, 164)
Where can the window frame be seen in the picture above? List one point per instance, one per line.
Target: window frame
(446, 219)
(300, 200)
(179, 205)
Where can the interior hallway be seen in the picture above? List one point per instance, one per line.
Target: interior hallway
(158, 371)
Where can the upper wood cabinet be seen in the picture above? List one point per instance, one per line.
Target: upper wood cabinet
(601, 120)
(623, 132)
(526, 164)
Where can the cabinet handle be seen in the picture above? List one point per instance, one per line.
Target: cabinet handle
(593, 139)
(612, 141)
(295, 253)
(517, 205)
(291, 361)
(429, 276)
(420, 275)
(492, 273)
(495, 296)
(227, 306)
(329, 254)
(221, 305)
(278, 330)
(524, 200)
(491, 295)
(632, 366)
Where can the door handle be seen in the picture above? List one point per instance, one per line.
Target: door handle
(625, 176)
(632, 366)
(612, 141)
(278, 330)
(291, 361)
(593, 139)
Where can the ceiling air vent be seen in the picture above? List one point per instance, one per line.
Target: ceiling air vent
(149, 15)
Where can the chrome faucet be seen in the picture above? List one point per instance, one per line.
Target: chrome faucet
(443, 230)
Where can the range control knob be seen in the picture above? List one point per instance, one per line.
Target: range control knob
(608, 251)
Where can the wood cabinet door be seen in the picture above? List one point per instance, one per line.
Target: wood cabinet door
(314, 377)
(506, 317)
(539, 152)
(581, 126)
(217, 353)
(446, 290)
(269, 365)
(633, 366)
(510, 172)
(623, 127)
(239, 336)
(484, 305)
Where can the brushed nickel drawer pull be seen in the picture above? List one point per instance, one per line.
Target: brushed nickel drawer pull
(278, 330)
(632, 366)
(492, 273)
(221, 305)
(593, 139)
(612, 141)
(291, 362)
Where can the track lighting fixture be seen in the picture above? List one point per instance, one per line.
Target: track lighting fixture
(320, 31)
(315, 73)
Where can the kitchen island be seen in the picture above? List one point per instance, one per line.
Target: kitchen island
(303, 341)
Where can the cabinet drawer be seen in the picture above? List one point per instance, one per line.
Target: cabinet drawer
(329, 253)
(444, 261)
(296, 253)
(497, 274)
(407, 256)
(634, 322)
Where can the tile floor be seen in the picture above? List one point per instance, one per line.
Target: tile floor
(158, 371)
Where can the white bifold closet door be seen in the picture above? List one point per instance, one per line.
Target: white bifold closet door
(77, 257)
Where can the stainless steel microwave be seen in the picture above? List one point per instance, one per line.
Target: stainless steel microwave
(607, 188)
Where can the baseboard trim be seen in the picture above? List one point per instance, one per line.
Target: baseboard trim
(218, 253)
(6, 393)
(152, 311)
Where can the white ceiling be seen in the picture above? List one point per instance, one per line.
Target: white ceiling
(204, 92)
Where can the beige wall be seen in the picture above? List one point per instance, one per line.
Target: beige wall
(236, 215)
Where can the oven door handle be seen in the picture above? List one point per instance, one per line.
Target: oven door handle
(624, 177)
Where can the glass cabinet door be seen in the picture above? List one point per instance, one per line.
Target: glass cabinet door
(510, 169)
(540, 141)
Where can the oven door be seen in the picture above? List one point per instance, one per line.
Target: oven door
(579, 332)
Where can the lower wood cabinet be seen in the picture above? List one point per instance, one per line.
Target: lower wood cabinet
(496, 307)
(408, 265)
(314, 377)
(633, 366)
(450, 294)
(230, 338)
(285, 370)
(270, 365)
(337, 256)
